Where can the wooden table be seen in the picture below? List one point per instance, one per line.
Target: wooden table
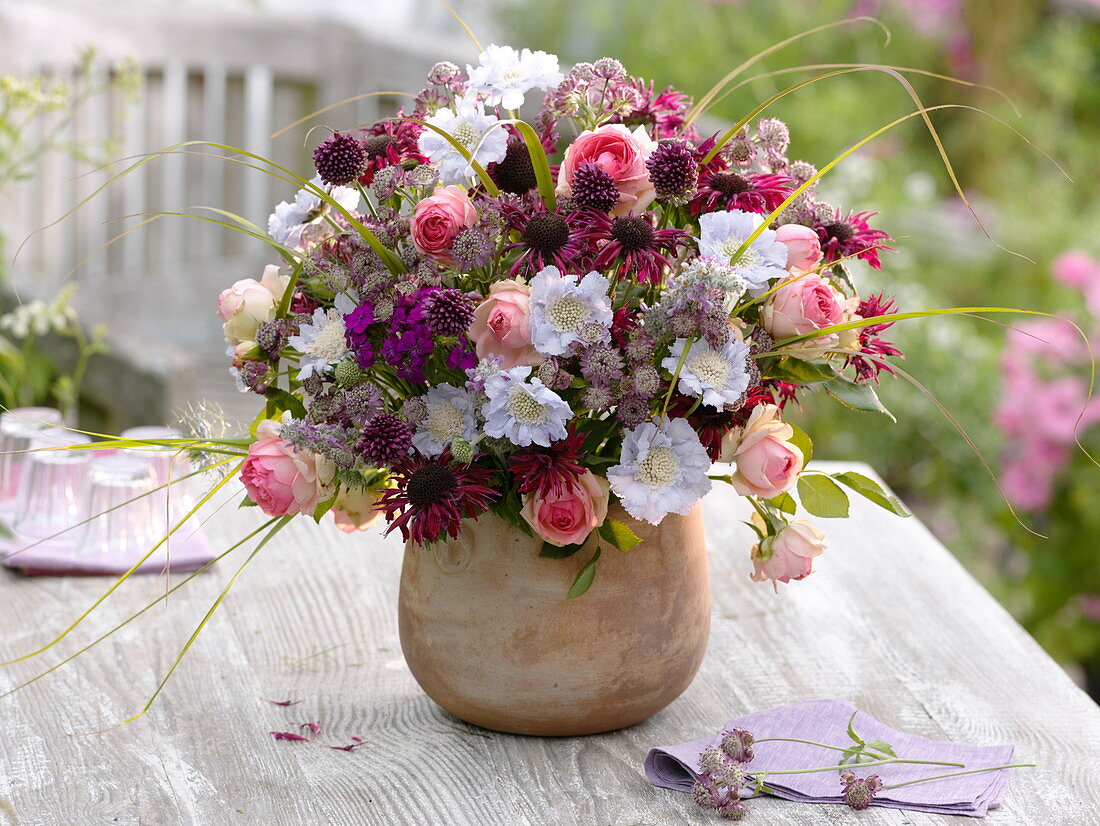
(890, 621)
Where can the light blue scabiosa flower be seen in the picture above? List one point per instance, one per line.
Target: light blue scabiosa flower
(481, 134)
(450, 415)
(662, 470)
(322, 342)
(291, 221)
(567, 309)
(723, 233)
(505, 75)
(523, 410)
(720, 376)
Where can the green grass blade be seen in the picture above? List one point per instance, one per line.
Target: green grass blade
(482, 175)
(539, 161)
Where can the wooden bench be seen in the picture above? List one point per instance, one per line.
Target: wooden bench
(890, 620)
(226, 75)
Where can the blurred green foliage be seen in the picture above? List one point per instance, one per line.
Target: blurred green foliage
(1047, 61)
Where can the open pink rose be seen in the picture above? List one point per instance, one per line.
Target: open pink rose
(622, 155)
(801, 305)
(768, 463)
(281, 479)
(248, 303)
(502, 325)
(787, 555)
(438, 219)
(570, 516)
(803, 246)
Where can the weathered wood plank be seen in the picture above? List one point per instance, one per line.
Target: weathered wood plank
(890, 620)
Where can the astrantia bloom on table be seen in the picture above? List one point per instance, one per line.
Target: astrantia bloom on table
(663, 469)
(473, 341)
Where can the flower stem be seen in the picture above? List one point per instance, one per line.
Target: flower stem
(956, 774)
(862, 766)
(795, 739)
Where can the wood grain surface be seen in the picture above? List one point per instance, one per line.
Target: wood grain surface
(890, 621)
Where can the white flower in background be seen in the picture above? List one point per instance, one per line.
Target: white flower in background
(481, 134)
(723, 233)
(719, 376)
(523, 410)
(662, 470)
(450, 416)
(566, 310)
(39, 318)
(290, 221)
(322, 342)
(506, 75)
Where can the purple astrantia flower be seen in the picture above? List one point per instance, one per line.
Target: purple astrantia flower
(566, 309)
(720, 376)
(714, 274)
(480, 133)
(322, 342)
(723, 233)
(523, 410)
(450, 415)
(662, 469)
(859, 792)
(505, 76)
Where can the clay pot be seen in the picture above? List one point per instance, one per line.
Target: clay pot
(489, 635)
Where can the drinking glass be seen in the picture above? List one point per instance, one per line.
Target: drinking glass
(169, 464)
(123, 515)
(17, 427)
(53, 488)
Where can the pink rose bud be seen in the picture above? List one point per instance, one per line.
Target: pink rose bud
(803, 246)
(622, 155)
(787, 555)
(249, 303)
(768, 463)
(354, 509)
(438, 219)
(281, 479)
(569, 516)
(502, 326)
(803, 304)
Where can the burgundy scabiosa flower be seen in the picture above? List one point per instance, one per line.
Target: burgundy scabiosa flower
(340, 159)
(662, 113)
(850, 235)
(868, 369)
(385, 440)
(548, 238)
(389, 143)
(859, 792)
(724, 190)
(434, 495)
(547, 470)
(640, 249)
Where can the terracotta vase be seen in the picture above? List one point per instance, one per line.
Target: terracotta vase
(489, 635)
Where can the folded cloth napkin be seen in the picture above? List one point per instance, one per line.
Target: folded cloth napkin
(826, 721)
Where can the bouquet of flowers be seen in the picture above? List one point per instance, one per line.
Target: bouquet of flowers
(480, 313)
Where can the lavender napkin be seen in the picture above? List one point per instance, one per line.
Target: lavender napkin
(826, 721)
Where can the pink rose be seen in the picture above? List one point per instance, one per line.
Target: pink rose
(1076, 268)
(570, 516)
(803, 304)
(787, 555)
(768, 463)
(249, 303)
(439, 218)
(281, 479)
(803, 246)
(502, 325)
(622, 155)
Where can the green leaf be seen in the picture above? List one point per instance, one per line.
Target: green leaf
(858, 396)
(584, 577)
(803, 442)
(558, 551)
(870, 489)
(878, 745)
(323, 508)
(784, 502)
(6, 532)
(247, 502)
(539, 162)
(822, 497)
(618, 534)
(280, 399)
(798, 371)
(852, 730)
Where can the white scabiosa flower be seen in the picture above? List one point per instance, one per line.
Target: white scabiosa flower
(290, 222)
(523, 410)
(450, 416)
(718, 376)
(322, 342)
(662, 470)
(505, 75)
(567, 309)
(481, 135)
(723, 233)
